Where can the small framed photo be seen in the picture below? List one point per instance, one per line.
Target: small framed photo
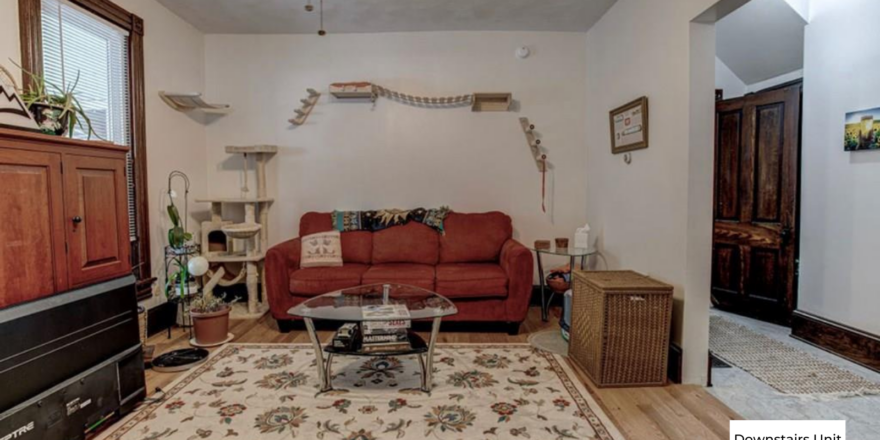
(629, 126)
(862, 130)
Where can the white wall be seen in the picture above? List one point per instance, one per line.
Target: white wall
(654, 215)
(775, 81)
(9, 40)
(356, 155)
(174, 57)
(174, 53)
(734, 87)
(726, 80)
(840, 213)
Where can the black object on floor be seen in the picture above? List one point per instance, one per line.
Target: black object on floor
(179, 360)
(69, 361)
(718, 363)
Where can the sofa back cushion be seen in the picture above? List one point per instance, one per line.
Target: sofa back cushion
(357, 246)
(410, 243)
(474, 238)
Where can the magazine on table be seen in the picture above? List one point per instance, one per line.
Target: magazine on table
(385, 311)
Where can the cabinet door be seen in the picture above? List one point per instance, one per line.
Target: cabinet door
(32, 262)
(95, 201)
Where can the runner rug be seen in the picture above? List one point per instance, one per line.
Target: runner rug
(782, 366)
(268, 391)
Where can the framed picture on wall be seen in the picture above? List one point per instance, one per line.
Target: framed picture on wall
(629, 126)
(13, 112)
(862, 130)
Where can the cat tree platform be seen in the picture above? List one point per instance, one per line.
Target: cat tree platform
(222, 236)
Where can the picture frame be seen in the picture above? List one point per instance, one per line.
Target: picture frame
(862, 130)
(629, 126)
(13, 111)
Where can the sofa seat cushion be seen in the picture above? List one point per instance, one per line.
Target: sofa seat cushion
(471, 280)
(419, 275)
(320, 280)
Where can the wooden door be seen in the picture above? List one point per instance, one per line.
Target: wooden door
(97, 219)
(757, 168)
(32, 260)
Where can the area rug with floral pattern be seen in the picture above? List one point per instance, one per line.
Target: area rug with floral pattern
(268, 391)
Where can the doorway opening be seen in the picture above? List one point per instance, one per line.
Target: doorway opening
(757, 161)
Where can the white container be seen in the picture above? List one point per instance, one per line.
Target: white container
(582, 237)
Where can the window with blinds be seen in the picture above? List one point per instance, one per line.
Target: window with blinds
(82, 50)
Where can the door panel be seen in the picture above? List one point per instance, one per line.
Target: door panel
(727, 170)
(726, 268)
(97, 219)
(768, 160)
(756, 187)
(32, 261)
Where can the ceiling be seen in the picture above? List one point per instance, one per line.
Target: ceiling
(367, 16)
(761, 40)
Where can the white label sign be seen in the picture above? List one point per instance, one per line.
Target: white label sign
(787, 430)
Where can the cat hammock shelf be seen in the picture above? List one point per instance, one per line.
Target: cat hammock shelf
(185, 102)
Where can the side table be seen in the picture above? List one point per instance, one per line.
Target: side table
(572, 253)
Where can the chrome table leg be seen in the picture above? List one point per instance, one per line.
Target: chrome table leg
(428, 370)
(323, 369)
(545, 307)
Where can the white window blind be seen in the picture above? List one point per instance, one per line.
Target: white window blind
(82, 49)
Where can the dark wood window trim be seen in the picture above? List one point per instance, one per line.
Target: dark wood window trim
(30, 23)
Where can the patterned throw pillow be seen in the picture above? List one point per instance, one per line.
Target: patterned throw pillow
(323, 249)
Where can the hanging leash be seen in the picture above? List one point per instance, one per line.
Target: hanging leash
(543, 182)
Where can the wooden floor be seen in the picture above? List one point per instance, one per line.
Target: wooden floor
(661, 413)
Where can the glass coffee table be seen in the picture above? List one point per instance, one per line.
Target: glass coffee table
(347, 305)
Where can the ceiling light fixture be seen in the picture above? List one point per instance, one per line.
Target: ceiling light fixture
(321, 31)
(309, 7)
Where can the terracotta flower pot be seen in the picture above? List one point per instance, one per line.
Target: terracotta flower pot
(211, 328)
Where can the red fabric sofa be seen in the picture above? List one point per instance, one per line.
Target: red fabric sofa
(476, 264)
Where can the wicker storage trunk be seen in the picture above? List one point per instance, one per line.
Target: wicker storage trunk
(620, 325)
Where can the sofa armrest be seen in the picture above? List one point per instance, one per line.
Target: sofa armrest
(518, 264)
(281, 260)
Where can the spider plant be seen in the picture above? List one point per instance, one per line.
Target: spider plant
(56, 105)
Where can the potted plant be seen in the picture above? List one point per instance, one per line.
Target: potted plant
(177, 241)
(210, 318)
(56, 109)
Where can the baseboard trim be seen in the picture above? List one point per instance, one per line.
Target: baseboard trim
(850, 343)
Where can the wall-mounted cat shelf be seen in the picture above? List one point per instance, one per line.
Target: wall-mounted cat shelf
(534, 144)
(492, 102)
(352, 90)
(479, 102)
(307, 105)
(185, 102)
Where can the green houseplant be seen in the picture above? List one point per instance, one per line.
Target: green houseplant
(57, 110)
(177, 240)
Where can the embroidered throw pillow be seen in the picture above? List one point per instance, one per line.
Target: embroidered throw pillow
(323, 249)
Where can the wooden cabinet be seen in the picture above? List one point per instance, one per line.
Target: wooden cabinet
(65, 215)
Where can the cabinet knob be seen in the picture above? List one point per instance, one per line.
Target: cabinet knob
(77, 220)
